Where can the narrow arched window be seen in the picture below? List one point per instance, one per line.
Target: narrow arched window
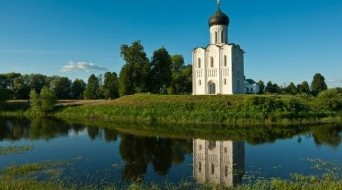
(225, 81)
(215, 37)
(222, 41)
(212, 169)
(225, 60)
(211, 62)
(226, 171)
(199, 63)
(200, 82)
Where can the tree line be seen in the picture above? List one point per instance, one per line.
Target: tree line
(162, 74)
(317, 85)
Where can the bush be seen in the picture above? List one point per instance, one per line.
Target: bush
(43, 102)
(330, 100)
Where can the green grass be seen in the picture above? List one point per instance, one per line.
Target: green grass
(14, 149)
(232, 110)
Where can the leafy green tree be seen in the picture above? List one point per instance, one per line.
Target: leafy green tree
(183, 80)
(44, 101)
(269, 87)
(177, 63)
(92, 90)
(161, 71)
(77, 88)
(37, 82)
(48, 99)
(261, 86)
(61, 87)
(304, 88)
(291, 89)
(134, 74)
(35, 101)
(110, 87)
(330, 99)
(4, 94)
(21, 89)
(318, 84)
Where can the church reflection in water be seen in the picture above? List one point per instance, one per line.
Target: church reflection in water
(219, 162)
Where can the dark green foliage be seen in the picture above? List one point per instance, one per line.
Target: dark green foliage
(4, 94)
(92, 90)
(182, 81)
(261, 87)
(21, 87)
(110, 86)
(291, 89)
(61, 86)
(37, 82)
(161, 75)
(43, 102)
(303, 88)
(318, 84)
(77, 89)
(134, 74)
(330, 100)
(272, 88)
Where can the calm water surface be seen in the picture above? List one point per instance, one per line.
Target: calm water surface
(99, 156)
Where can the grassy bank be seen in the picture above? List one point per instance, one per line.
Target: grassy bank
(239, 109)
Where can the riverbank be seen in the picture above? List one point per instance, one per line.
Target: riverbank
(232, 110)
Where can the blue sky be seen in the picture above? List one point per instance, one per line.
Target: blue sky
(285, 40)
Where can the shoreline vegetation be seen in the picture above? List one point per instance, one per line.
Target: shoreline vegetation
(28, 176)
(187, 109)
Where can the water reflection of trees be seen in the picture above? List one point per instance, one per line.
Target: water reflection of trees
(329, 135)
(139, 152)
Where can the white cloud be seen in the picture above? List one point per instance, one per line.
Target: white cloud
(81, 66)
(335, 81)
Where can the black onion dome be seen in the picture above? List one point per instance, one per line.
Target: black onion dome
(219, 18)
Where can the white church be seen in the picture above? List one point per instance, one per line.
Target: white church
(219, 68)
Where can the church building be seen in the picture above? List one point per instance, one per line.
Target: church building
(218, 68)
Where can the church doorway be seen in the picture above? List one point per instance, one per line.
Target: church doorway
(211, 88)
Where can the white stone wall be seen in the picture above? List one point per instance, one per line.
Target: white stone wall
(221, 65)
(251, 88)
(218, 34)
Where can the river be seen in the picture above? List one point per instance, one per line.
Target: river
(98, 156)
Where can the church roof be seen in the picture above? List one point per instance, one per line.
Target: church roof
(219, 18)
(250, 81)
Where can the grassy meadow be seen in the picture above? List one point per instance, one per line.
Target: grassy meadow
(148, 108)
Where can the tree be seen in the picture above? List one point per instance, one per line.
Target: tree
(43, 102)
(291, 89)
(161, 71)
(110, 85)
(183, 80)
(92, 90)
(318, 84)
(37, 82)
(134, 74)
(304, 88)
(21, 88)
(269, 87)
(61, 87)
(48, 99)
(261, 86)
(4, 94)
(177, 63)
(77, 88)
